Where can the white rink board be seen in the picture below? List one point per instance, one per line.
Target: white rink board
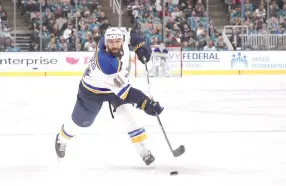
(233, 128)
(185, 63)
(44, 61)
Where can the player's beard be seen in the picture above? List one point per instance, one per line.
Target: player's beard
(117, 52)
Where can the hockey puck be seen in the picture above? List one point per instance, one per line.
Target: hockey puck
(173, 173)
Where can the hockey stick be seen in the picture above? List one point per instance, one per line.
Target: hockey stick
(181, 149)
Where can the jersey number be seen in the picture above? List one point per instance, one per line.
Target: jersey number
(87, 71)
(93, 65)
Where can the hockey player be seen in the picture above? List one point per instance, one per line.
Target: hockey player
(159, 60)
(106, 80)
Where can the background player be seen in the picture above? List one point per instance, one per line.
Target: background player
(159, 60)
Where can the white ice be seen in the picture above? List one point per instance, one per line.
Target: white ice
(233, 128)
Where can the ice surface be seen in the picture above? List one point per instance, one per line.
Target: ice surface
(233, 128)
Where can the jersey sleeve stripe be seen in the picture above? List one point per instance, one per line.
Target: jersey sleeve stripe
(124, 92)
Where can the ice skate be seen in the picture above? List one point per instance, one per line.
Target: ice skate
(148, 158)
(60, 147)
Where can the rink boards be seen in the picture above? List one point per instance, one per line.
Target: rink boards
(187, 62)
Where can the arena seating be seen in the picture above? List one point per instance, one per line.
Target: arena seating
(186, 24)
(256, 20)
(6, 39)
(59, 24)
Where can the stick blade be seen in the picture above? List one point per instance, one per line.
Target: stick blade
(179, 151)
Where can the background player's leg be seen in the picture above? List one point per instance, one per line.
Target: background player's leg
(165, 68)
(85, 110)
(154, 67)
(124, 113)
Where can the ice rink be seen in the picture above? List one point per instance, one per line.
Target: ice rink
(233, 128)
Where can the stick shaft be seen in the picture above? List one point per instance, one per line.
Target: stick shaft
(158, 118)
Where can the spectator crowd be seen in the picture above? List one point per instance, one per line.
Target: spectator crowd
(65, 26)
(256, 19)
(186, 24)
(7, 42)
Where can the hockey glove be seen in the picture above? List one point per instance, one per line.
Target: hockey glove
(143, 52)
(151, 107)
